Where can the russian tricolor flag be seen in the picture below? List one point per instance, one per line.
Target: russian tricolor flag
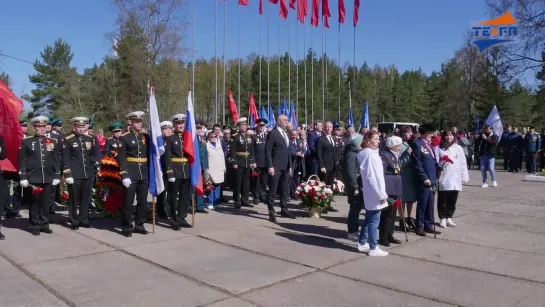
(191, 147)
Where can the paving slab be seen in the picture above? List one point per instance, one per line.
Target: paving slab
(494, 260)
(24, 248)
(505, 221)
(18, 290)
(314, 251)
(232, 302)
(230, 268)
(109, 232)
(529, 201)
(117, 279)
(519, 210)
(322, 289)
(444, 283)
(485, 235)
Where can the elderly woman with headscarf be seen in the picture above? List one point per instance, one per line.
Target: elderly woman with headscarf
(392, 178)
(353, 184)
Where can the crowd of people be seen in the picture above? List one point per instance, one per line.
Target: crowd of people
(380, 171)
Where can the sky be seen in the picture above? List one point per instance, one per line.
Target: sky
(409, 34)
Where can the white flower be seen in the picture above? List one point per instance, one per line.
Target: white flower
(307, 188)
(299, 189)
(317, 189)
(311, 182)
(328, 191)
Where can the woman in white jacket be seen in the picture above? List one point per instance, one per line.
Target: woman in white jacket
(374, 193)
(216, 168)
(453, 175)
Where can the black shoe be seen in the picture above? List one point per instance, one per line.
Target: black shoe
(47, 230)
(248, 205)
(86, 225)
(287, 214)
(394, 240)
(176, 228)
(411, 223)
(74, 227)
(420, 232)
(430, 230)
(384, 243)
(255, 201)
(331, 209)
(185, 224)
(163, 216)
(127, 233)
(272, 218)
(201, 211)
(2, 237)
(238, 207)
(35, 232)
(141, 231)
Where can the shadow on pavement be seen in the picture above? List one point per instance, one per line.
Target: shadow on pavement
(315, 241)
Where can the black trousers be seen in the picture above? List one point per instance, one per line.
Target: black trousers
(541, 160)
(138, 188)
(356, 205)
(259, 184)
(505, 159)
(281, 178)
(11, 204)
(179, 200)
(242, 186)
(515, 162)
(38, 214)
(78, 205)
(327, 177)
(446, 203)
(162, 203)
(386, 225)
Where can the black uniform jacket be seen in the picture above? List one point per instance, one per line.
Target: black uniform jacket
(176, 162)
(133, 157)
(260, 156)
(78, 156)
(39, 160)
(112, 144)
(242, 150)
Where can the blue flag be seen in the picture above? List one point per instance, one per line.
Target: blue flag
(477, 124)
(494, 120)
(350, 121)
(364, 121)
(272, 119)
(156, 149)
(293, 116)
(334, 121)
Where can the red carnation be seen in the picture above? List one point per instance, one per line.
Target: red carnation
(37, 190)
(255, 174)
(65, 195)
(436, 141)
(397, 203)
(446, 159)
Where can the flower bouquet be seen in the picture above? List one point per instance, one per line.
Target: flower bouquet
(445, 161)
(395, 203)
(315, 195)
(65, 195)
(208, 184)
(338, 187)
(36, 190)
(109, 191)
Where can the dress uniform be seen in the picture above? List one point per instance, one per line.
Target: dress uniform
(259, 183)
(39, 165)
(242, 157)
(80, 165)
(50, 133)
(178, 172)
(162, 204)
(57, 126)
(532, 144)
(112, 142)
(133, 162)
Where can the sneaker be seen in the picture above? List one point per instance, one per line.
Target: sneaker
(377, 252)
(485, 185)
(354, 237)
(451, 223)
(210, 207)
(364, 248)
(494, 183)
(443, 223)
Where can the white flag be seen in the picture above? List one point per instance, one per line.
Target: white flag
(494, 120)
(156, 149)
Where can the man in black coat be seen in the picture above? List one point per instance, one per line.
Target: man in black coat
(325, 153)
(259, 183)
(242, 160)
(279, 164)
(297, 152)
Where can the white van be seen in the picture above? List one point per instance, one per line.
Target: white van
(389, 127)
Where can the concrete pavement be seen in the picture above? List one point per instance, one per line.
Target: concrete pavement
(495, 257)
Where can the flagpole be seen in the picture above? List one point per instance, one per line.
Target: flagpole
(340, 70)
(305, 60)
(238, 54)
(260, 58)
(323, 66)
(279, 60)
(297, 70)
(193, 52)
(354, 63)
(268, 65)
(216, 62)
(224, 58)
(289, 62)
(312, 76)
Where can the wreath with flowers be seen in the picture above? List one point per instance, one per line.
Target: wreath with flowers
(109, 190)
(314, 193)
(338, 187)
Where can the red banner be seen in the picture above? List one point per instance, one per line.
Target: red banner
(356, 11)
(233, 107)
(252, 109)
(315, 19)
(243, 2)
(342, 11)
(292, 4)
(10, 130)
(301, 14)
(283, 9)
(260, 7)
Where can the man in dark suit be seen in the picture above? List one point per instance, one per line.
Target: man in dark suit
(279, 164)
(425, 163)
(54, 134)
(313, 136)
(326, 155)
(259, 183)
(297, 152)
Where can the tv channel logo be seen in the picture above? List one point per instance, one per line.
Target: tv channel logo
(495, 31)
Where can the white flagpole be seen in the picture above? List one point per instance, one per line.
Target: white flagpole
(312, 75)
(238, 37)
(193, 51)
(305, 59)
(296, 107)
(340, 71)
(268, 66)
(224, 59)
(279, 60)
(216, 62)
(289, 62)
(260, 58)
(323, 72)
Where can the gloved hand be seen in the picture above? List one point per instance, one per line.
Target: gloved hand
(127, 182)
(171, 179)
(24, 183)
(70, 180)
(56, 181)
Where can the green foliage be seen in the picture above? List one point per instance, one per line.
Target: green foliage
(4, 77)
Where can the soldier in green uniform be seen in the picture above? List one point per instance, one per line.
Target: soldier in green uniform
(80, 165)
(39, 166)
(133, 159)
(242, 160)
(112, 142)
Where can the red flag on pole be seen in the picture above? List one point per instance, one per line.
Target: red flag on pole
(305, 7)
(232, 107)
(243, 2)
(325, 8)
(342, 11)
(315, 19)
(326, 21)
(283, 9)
(356, 11)
(260, 7)
(301, 11)
(10, 129)
(274, 1)
(292, 4)
(252, 109)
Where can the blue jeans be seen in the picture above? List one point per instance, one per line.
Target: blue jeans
(369, 228)
(488, 163)
(214, 196)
